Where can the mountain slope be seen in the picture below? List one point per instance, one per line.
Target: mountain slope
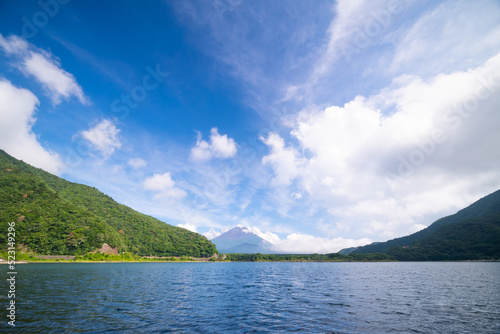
(470, 239)
(471, 233)
(241, 240)
(54, 216)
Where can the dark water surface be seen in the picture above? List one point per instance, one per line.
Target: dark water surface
(256, 298)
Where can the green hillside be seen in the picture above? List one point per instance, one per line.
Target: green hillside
(471, 233)
(54, 216)
(471, 239)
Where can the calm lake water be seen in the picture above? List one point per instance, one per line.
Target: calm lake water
(256, 298)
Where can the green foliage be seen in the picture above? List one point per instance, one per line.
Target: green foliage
(484, 211)
(19, 256)
(106, 257)
(57, 217)
(471, 239)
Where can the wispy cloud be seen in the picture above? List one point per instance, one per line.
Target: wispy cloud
(456, 35)
(112, 69)
(356, 24)
(45, 68)
(58, 83)
(13, 45)
(263, 45)
(137, 163)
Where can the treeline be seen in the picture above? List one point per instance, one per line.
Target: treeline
(471, 233)
(333, 257)
(127, 257)
(98, 257)
(57, 217)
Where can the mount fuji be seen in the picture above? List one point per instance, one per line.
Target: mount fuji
(241, 240)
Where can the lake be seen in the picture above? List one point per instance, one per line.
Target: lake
(256, 298)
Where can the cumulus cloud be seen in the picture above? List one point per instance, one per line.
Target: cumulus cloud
(44, 67)
(211, 234)
(268, 236)
(104, 137)
(164, 186)
(381, 163)
(284, 160)
(189, 227)
(17, 117)
(298, 243)
(220, 146)
(136, 163)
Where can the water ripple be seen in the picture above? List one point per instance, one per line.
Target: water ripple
(258, 298)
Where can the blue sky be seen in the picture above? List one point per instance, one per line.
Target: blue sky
(319, 125)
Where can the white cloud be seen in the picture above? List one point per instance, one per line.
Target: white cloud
(201, 151)
(13, 44)
(164, 186)
(17, 117)
(189, 227)
(136, 163)
(104, 137)
(382, 165)
(283, 159)
(373, 41)
(456, 35)
(45, 68)
(356, 25)
(58, 82)
(220, 146)
(298, 243)
(268, 236)
(211, 234)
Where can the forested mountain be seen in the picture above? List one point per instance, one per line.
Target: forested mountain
(471, 233)
(54, 216)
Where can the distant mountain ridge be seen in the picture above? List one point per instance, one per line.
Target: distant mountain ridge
(241, 240)
(54, 216)
(471, 233)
